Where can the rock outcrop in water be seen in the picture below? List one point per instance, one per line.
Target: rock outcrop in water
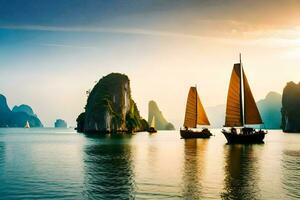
(110, 108)
(270, 110)
(160, 122)
(18, 116)
(291, 108)
(59, 123)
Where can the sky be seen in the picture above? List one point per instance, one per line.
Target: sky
(52, 51)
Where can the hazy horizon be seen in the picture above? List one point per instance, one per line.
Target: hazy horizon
(53, 51)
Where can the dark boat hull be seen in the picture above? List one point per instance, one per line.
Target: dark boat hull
(152, 130)
(254, 138)
(188, 134)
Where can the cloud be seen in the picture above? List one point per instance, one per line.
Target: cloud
(273, 37)
(67, 46)
(134, 31)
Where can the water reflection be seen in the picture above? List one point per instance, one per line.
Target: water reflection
(291, 176)
(108, 170)
(2, 154)
(194, 168)
(241, 176)
(2, 157)
(3, 189)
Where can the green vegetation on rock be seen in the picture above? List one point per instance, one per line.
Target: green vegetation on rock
(110, 108)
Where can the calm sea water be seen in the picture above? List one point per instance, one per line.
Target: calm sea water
(62, 164)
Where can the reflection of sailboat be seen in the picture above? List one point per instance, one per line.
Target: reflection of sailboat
(194, 168)
(241, 110)
(27, 125)
(241, 172)
(152, 126)
(194, 115)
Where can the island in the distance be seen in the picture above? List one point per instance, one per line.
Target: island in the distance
(18, 116)
(291, 108)
(110, 108)
(159, 120)
(60, 123)
(270, 110)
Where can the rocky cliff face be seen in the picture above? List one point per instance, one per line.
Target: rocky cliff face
(18, 117)
(291, 108)
(110, 108)
(160, 122)
(59, 123)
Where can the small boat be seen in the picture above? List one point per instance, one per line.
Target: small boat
(194, 115)
(241, 110)
(27, 125)
(152, 126)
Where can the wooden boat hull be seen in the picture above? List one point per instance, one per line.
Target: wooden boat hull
(188, 134)
(254, 138)
(152, 130)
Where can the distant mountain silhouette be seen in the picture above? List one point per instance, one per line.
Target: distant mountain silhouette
(24, 108)
(18, 116)
(160, 122)
(60, 123)
(269, 109)
(291, 108)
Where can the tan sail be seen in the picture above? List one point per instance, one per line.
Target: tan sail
(190, 120)
(234, 112)
(194, 112)
(251, 112)
(201, 114)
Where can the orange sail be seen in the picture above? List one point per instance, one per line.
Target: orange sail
(251, 112)
(201, 114)
(234, 111)
(194, 112)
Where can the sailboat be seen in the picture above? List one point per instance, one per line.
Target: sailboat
(194, 115)
(241, 110)
(27, 125)
(152, 126)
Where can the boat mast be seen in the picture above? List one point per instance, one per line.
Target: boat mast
(196, 105)
(242, 91)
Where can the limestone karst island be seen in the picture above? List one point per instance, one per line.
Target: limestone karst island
(156, 117)
(19, 116)
(291, 108)
(110, 108)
